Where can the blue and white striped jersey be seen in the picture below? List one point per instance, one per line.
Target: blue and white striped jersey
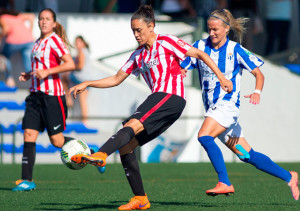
(231, 59)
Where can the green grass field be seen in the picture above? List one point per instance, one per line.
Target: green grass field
(169, 187)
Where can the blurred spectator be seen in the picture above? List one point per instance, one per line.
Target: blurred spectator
(178, 9)
(278, 22)
(247, 9)
(106, 6)
(16, 37)
(82, 73)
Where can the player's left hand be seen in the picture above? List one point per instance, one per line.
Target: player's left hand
(40, 74)
(226, 85)
(254, 98)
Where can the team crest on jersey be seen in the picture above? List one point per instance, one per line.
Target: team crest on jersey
(181, 43)
(230, 56)
(154, 53)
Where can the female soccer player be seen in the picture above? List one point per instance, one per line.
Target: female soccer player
(157, 59)
(222, 109)
(45, 106)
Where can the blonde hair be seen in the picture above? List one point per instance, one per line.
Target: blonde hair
(236, 24)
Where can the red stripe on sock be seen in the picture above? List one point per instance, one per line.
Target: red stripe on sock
(157, 106)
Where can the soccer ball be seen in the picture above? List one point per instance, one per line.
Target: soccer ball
(71, 148)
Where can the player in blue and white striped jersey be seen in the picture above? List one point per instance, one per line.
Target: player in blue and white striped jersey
(231, 59)
(222, 108)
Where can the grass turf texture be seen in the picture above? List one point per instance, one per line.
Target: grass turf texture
(169, 186)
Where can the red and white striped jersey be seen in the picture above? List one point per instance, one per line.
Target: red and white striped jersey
(160, 66)
(47, 54)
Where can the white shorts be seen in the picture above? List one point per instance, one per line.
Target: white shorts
(226, 114)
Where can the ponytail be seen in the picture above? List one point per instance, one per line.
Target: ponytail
(236, 24)
(61, 32)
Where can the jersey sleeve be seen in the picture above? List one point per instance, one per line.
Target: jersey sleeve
(176, 45)
(190, 62)
(131, 67)
(59, 46)
(247, 59)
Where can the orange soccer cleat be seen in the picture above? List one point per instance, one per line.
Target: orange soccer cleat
(96, 159)
(221, 188)
(136, 203)
(294, 185)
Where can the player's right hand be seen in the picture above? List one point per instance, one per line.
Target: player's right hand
(226, 85)
(183, 72)
(24, 76)
(78, 89)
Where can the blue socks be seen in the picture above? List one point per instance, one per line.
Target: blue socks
(215, 155)
(264, 163)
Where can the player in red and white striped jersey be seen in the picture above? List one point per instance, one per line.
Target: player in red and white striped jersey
(159, 65)
(46, 104)
(48, 53)
(157, 59)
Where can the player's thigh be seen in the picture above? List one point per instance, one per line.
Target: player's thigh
(211, 127)
(55, 114)
(32, 118)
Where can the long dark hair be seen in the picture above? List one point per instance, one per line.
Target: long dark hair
(59, 29)
(146, 13)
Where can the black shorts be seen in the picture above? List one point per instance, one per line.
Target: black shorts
(157, 113)
(45, 111)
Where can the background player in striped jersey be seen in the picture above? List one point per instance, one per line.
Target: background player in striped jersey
(157, 60)
(222, 109)
(46, 104)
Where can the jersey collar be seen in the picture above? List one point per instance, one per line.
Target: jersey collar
(220, 49)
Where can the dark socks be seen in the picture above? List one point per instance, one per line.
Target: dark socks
(264, 163)
(120, 139)
(132, 172)
(28, 160)
(216, 158)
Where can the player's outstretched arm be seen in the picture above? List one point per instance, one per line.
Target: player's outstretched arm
(255, 97)
(111, 81)
(196, 53)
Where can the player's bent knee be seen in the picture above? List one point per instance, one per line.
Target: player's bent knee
(245, 155)
(30, 135)
(56, 142)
